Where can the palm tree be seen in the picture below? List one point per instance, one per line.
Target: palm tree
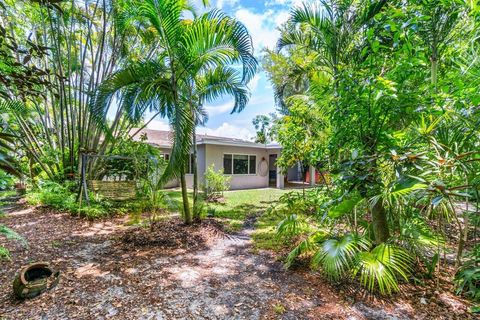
(326, 29)
(189, 68)
(7, 163)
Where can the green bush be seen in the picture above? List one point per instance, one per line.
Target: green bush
(468, 277)
(215, 183)
(92, 212)
(6, 181)
(62, 198)
(54, 195)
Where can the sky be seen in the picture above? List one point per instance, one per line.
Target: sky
(262, 19)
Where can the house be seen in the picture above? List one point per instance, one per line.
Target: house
(250, 165)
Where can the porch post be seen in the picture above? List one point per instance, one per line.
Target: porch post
(280, 179)
(312, 175)
(280, 176)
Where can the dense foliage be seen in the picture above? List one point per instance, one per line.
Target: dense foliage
(215, 183)
(382, 95)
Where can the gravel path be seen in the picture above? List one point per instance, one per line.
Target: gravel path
(217, 278)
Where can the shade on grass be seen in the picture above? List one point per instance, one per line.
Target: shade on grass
(237, 204)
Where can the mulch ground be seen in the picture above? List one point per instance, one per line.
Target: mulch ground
(113, 271)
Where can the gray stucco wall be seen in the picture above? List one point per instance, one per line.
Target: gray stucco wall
(214, 154)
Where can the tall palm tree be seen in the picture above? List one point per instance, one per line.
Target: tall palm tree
(326, 29)
(170, 83)
(7, 163)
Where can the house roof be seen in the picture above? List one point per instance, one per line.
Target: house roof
(163, 139)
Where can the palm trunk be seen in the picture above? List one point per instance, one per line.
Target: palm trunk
(379, 222)
(434, 72)
(196, 209)
(186, 206)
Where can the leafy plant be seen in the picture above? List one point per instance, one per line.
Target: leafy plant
(336, 257)
(467, 278)
(215, 183)
(351, 255)
(11, 235)
(381, 267)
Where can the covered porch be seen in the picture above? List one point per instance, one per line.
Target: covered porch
(293, 178)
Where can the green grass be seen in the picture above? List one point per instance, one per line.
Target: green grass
(241, 204)
(238, 204)
(264, 236)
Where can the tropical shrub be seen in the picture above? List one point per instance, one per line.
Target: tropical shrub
(467, 278)
(7, 181)
(354, 256)
(54, 195)
(9, 234)
(308, 202)
(60, 197)
(215, 183)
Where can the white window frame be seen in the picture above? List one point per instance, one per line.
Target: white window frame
(165, 155)
(248, 167)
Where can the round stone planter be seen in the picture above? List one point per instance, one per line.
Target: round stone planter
(34, 279)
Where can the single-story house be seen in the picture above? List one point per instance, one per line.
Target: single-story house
(250, 165)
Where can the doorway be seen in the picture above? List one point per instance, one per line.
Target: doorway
(272, 170)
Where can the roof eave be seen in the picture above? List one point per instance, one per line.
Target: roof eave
(232, 143)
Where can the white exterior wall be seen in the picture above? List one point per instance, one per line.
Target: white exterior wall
(200, 167)
(214, 154)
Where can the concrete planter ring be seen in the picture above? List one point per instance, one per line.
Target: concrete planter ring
(34, 279)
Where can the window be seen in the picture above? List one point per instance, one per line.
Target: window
(252, 169)
(227, 164)
(239, 164)
(165, 156)
(191, 165)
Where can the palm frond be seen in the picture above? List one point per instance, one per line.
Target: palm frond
(337, 256)
(309, 245)
(381, 267)
(223, 81)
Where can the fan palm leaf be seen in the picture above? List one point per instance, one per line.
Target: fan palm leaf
(337, 256)
(381, 267)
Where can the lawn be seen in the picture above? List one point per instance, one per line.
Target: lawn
(236, 207)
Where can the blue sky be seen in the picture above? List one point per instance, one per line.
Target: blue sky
(261, 19)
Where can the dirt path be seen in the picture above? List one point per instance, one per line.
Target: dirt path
(104, 278)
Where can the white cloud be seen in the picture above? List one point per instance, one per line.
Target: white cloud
(223, 3)
(215, 110)
(262, 26)
(229, 130)
(288, 3)
(254, 82)
(159, 125)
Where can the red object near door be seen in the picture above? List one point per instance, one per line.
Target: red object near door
(318, 177)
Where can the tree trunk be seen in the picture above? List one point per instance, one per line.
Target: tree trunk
(186, 206)
(379, 222)
(196, 209)
(434, 72)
